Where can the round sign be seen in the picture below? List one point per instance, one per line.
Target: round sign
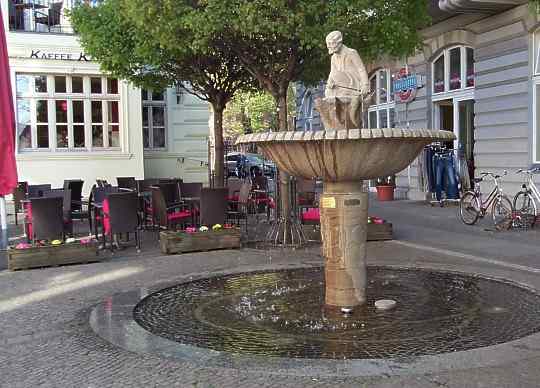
(405, 86)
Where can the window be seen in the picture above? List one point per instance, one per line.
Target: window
(382, 111)
(453, 70)
(153, 113)
(67, 113)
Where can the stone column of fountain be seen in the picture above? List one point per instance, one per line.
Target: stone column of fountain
(344, 155)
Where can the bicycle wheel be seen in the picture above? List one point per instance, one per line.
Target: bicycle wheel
(469, 208)
(525, 207)
(501, 211)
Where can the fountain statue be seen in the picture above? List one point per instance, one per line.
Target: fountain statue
(343, 155)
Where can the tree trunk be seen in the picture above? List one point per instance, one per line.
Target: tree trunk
(219, 158)
(284, 181)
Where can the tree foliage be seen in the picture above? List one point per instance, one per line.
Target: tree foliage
(254, 111)
(122, 39)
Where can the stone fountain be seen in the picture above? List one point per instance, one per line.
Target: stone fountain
(343, 156)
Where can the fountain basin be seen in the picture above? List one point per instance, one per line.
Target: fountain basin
(346, 154)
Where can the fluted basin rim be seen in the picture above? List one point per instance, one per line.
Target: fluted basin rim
(346, 134)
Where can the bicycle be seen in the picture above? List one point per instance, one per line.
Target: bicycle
(525, 200)
(472, 207)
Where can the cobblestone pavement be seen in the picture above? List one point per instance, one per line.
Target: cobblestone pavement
(46, 340)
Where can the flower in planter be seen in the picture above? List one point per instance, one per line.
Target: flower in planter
(228, 226)
(203, 229)
(23, 246)
(217, 227)
(70, 240)
(191, 229)
(56, 242)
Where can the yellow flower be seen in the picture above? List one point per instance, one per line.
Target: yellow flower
(56, 242)
(216, 227)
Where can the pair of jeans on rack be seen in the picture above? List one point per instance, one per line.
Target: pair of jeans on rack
(429, 168)
(445, 171)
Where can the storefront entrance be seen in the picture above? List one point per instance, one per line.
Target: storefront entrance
(457, 115)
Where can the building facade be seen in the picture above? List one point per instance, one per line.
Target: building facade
(479, 76)
(73, 121)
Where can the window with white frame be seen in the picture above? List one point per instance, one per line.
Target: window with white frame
(58, 112)
(453, 70)
(381, 114)
(153, 112)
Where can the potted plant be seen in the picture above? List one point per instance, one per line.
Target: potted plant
(385, 188)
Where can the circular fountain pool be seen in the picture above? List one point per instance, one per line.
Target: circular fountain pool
(281, 313)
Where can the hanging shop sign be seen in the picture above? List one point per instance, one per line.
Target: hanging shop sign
(406, 86)
(40, 54)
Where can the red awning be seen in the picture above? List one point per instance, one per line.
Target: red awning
(8, 168)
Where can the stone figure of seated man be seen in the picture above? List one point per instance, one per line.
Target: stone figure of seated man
(348, 75)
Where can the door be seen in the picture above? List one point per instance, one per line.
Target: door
(466, 133)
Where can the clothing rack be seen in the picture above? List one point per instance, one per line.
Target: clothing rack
(441, 150)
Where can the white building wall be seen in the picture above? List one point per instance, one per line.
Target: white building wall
(187, 122)
(186, 154)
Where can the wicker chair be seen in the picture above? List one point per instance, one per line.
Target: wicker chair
(127, 183)
(36, 191)
(120, 215)
(213, 206)
(239, 210)
(165, 216)
(45, 219)
(19, 195)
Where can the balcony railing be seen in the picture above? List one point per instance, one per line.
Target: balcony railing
(46, 16)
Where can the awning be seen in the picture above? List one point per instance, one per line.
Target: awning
(8, 168)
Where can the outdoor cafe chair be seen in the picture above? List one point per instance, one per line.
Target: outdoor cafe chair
(165, 216)
(144, 185)
(45, 220)
(66, 206)
(121, 215)
(239, 210)
(35, 191)
(95, 206)
(19, 195)
(213, 206)
(190, 189)
(76, 187)
(127, 183)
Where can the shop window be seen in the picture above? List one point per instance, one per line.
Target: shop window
(154, 113)
(67, 116)
(453, 70)
(382, 111)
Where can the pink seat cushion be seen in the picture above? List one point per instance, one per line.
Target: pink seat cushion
(106, 218)
(312, 214)
(28, 220)
(178, 215)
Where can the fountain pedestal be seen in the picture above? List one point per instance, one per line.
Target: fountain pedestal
(344, 214)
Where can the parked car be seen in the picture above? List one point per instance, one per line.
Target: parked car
(244, 164)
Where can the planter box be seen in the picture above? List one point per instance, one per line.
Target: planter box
(52, 255)
(376, 232)
(181, 242)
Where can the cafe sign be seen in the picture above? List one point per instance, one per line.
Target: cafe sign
(406, 85)
(40, 54)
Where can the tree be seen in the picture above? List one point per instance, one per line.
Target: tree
(254, 111)
(280, 41)
(114, 36)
